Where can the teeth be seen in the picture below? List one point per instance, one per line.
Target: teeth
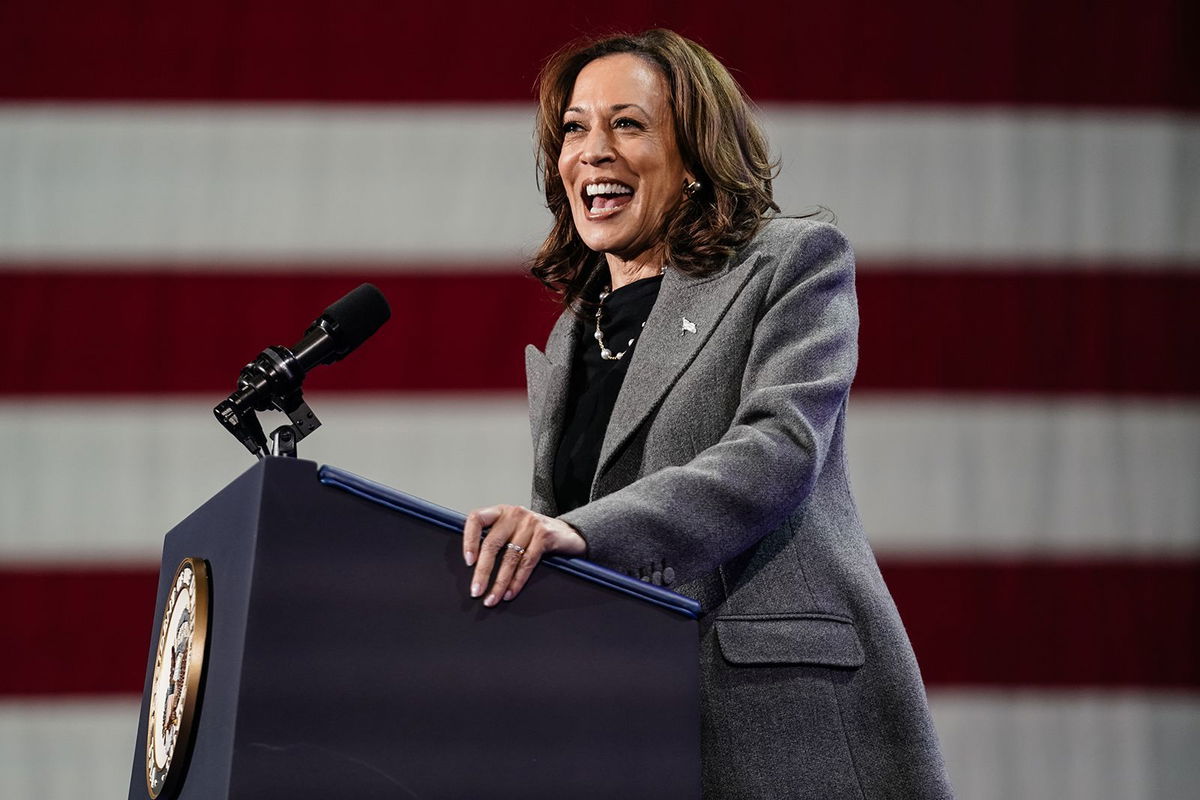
(594, 189)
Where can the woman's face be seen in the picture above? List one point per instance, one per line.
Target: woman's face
(619, 162)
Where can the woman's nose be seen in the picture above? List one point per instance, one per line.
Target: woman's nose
(597, 149)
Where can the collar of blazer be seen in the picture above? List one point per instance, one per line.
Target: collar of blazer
(664, 350)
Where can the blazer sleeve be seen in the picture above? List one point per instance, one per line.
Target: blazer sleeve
(797, 377)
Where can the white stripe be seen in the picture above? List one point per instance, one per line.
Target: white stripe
(958, 185)
(1069, 745)
(106, 480)
(299, 185)
(52, 749)
(998, 745)
(86, 480)
(1026, 476)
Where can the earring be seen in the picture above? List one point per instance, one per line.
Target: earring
(690, 189)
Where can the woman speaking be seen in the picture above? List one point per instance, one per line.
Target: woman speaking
(688, 417)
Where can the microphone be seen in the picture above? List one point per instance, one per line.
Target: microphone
(274, 378)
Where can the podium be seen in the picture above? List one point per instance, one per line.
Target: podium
(343, 658)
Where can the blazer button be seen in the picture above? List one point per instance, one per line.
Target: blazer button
(656, 578)
(668, 576)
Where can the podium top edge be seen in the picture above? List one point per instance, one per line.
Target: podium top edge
(452, 520)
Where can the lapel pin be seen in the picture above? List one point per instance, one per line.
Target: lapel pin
(688, 327)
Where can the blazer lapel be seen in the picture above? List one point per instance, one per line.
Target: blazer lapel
(549, 377)
(683, 318)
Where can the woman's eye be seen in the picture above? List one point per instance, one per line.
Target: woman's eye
(571, 127)
(626, 122)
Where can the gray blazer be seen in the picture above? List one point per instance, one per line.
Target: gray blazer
(722, 475)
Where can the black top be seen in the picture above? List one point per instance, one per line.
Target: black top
(595, 384)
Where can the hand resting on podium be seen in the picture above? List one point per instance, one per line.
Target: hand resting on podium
(516, 541)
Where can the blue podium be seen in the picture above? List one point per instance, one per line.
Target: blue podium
(343, 658)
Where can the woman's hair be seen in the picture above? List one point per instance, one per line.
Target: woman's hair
(718, 137)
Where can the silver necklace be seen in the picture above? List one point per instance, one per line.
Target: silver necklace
(605, 353)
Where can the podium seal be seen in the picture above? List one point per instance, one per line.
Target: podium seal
(177, 669)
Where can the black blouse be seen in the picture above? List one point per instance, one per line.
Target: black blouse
(595, 384)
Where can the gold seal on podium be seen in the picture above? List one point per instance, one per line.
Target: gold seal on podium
(177, 669)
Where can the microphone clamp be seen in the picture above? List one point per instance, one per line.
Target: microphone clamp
(273, 380)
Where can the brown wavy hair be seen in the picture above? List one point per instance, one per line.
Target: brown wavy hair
(718, 137)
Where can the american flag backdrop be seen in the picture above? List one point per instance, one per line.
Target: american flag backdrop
(182, 184)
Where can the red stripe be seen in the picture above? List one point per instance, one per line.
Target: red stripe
(1119, 53)
(1073, 624)
(92, 332)
(1065, 624)
(1000, 330)
(75, 631)
(1003, 330)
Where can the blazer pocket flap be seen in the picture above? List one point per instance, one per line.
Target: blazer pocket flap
(786, 639)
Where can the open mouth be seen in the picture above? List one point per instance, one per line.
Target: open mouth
(606, 197)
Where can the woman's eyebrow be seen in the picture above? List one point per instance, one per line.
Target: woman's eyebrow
(617, 107)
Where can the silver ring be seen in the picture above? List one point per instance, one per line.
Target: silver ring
(519, 550)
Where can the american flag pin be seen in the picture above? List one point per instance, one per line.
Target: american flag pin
(688, 327)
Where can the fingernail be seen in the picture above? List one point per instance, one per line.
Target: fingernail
(469, 557)
(508, 595)
(490, 600)
(476, 590)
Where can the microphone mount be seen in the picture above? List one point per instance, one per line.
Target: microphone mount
(274, 378)
(271, 381)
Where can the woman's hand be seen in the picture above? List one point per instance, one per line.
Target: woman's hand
(518, 539)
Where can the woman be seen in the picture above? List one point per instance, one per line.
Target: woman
(690, 433)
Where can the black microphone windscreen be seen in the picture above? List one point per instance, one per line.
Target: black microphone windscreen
(358, 315)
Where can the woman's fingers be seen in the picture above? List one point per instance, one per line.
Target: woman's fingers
(486, 560)
(511, 554)
(502, 529)
(477, 520)
(528, 561)
(512, 548)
